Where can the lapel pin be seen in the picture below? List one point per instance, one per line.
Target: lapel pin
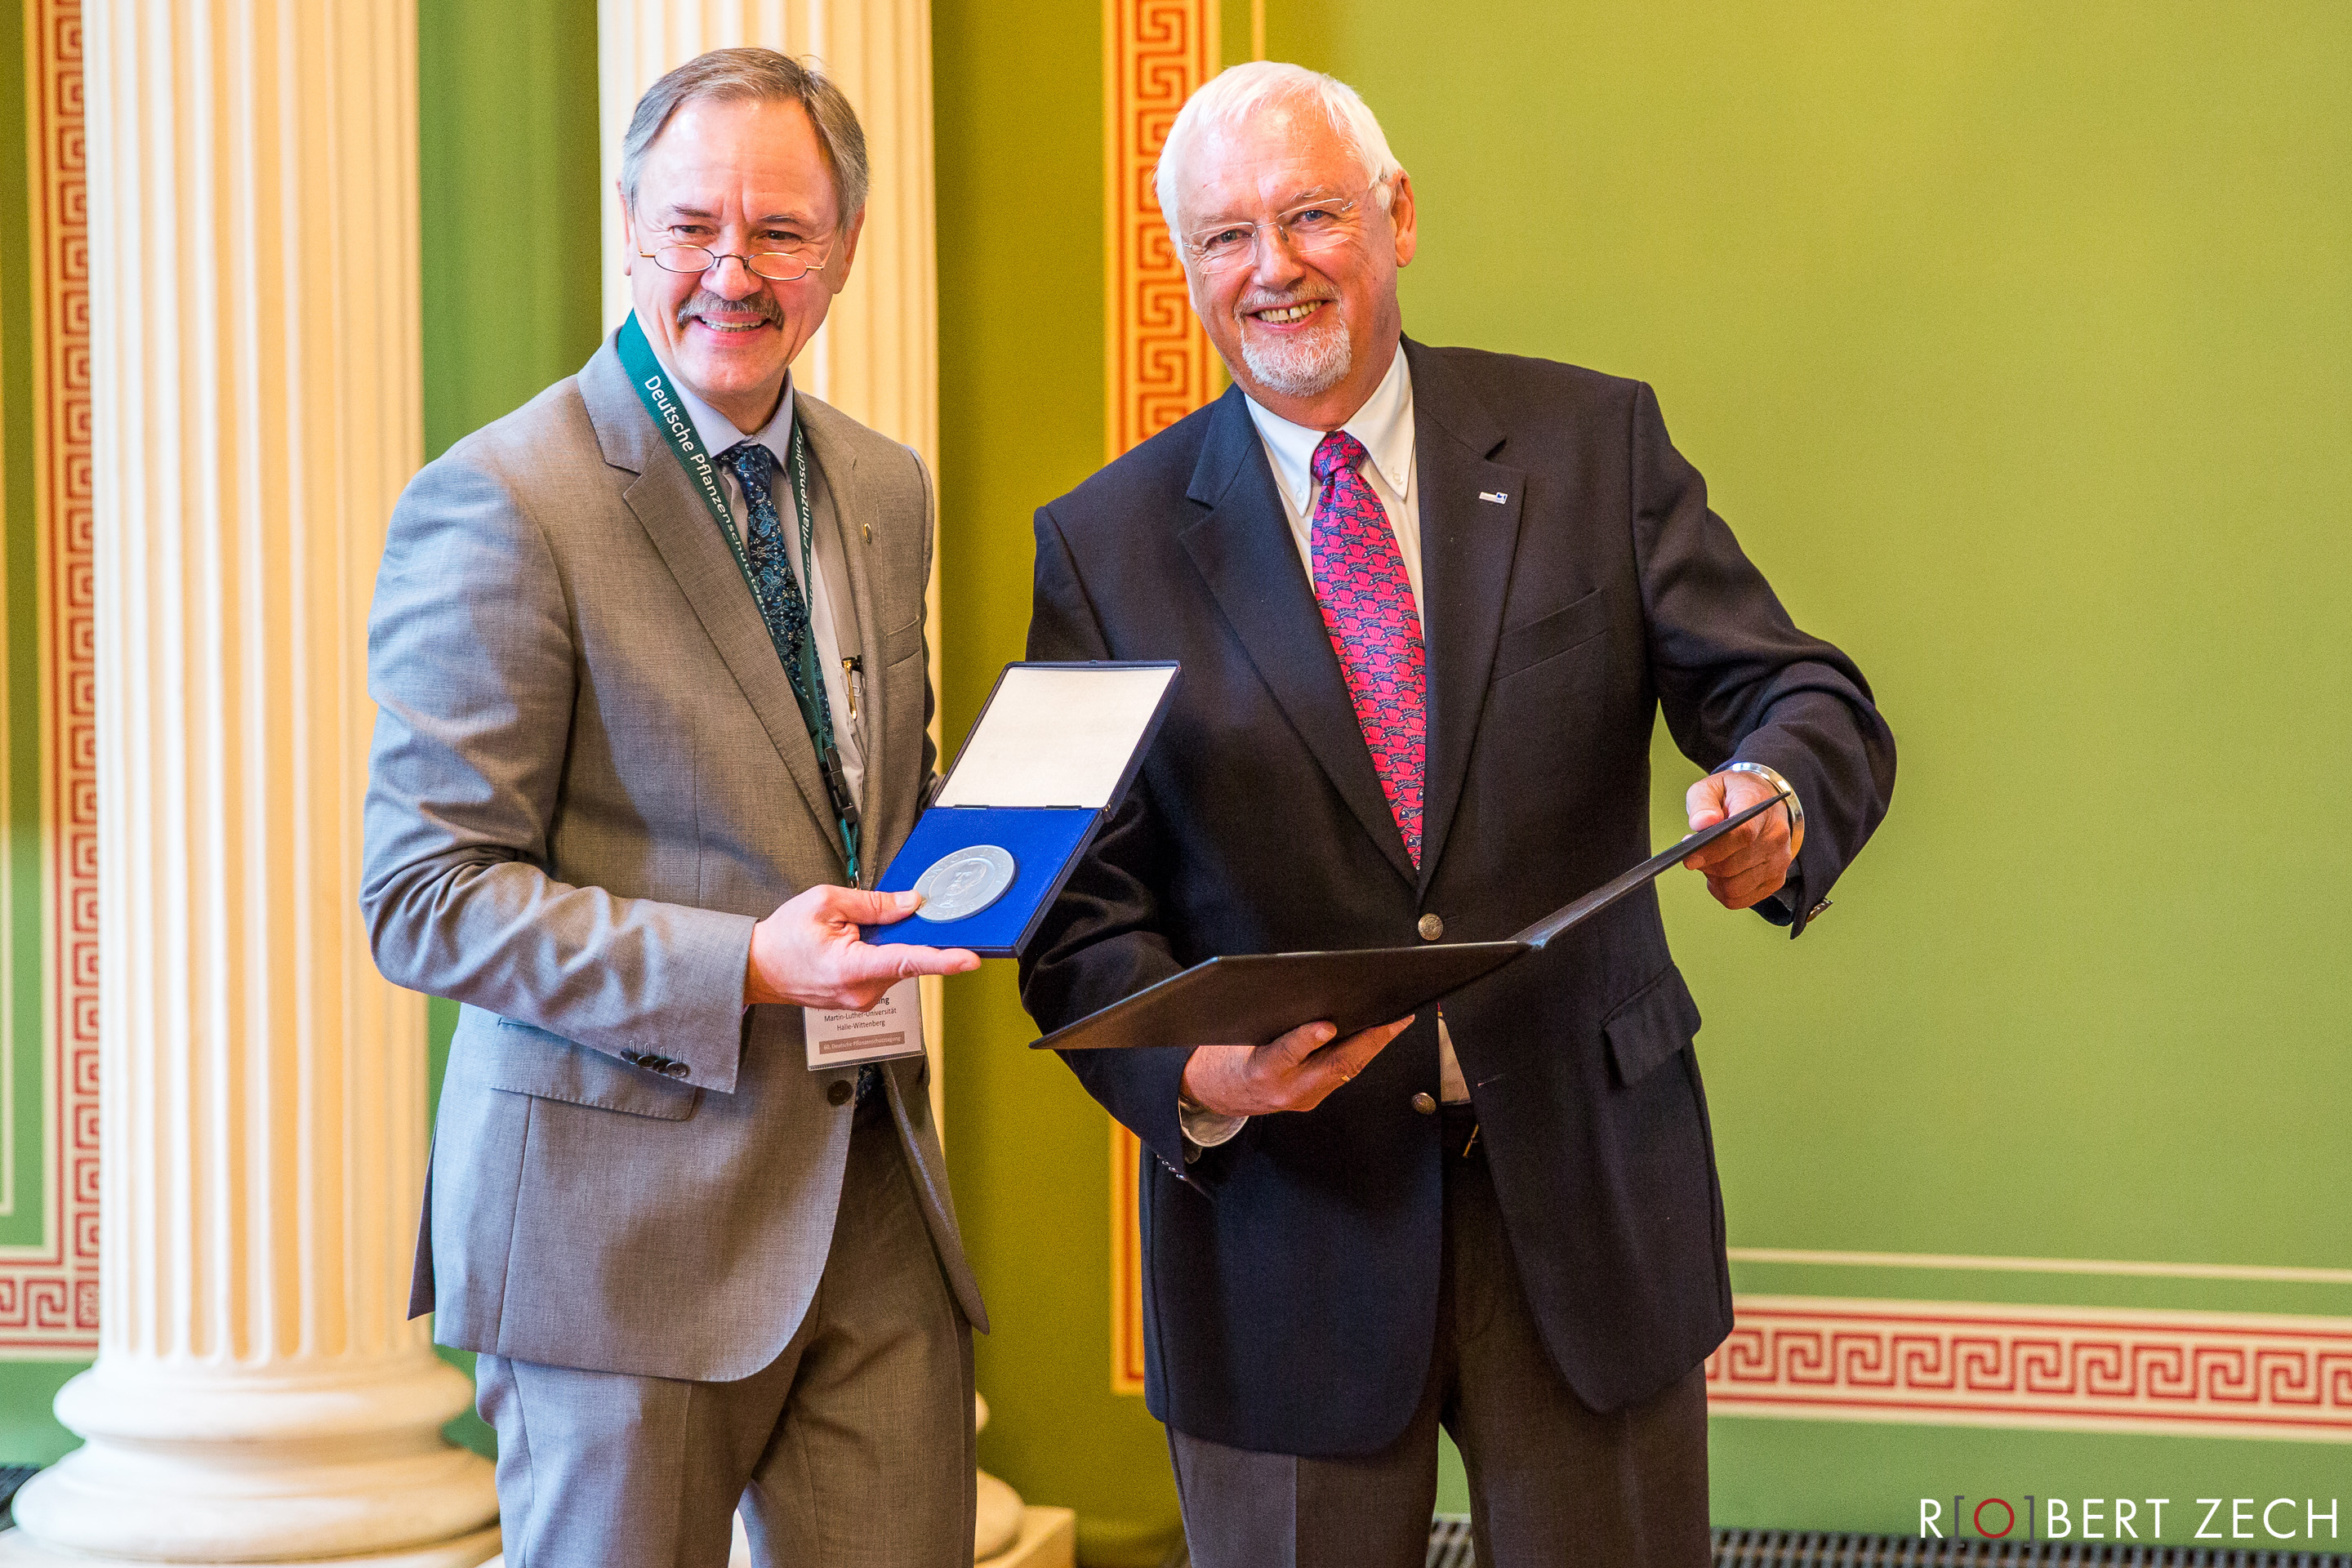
(1497, 497)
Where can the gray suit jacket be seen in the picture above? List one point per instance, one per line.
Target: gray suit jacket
(589, 780)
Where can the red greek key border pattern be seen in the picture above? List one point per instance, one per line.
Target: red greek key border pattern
(1944, 1364)
(48, 1295)
(1159, 367)
(1158, 360)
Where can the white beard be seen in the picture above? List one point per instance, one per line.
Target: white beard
(1304, 366)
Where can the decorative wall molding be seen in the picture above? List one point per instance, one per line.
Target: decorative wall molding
(48, 1289)
(2256, 1273)
(1158, 364)
(1974, 1363)
(1157, 367)
(1125, 1261)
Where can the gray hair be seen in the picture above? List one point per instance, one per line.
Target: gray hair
(1235, 94)
(756, 76)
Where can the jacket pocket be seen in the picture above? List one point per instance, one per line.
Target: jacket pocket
(1524, 646)
(531, 1061)
(903, 643)
(1655, 1023)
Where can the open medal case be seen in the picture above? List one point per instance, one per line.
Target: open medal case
(1049, 758)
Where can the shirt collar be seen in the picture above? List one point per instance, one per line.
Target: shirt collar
(1384, 424)
(717, 433)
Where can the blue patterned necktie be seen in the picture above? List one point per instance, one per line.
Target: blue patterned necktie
(781, 604)
(787, 615)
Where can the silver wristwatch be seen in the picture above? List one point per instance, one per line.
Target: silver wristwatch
(1788, 793)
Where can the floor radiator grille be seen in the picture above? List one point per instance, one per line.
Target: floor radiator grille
(1449, 1547)
(1799, 1549)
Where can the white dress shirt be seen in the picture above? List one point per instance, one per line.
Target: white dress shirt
(1384, 426)
(717, 433)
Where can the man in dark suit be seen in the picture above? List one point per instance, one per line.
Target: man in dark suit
(1427, 601)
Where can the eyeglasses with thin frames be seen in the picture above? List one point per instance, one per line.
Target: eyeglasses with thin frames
(1305, 229)
(776, 266)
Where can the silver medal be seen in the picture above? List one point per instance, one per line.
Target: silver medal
(964, 883)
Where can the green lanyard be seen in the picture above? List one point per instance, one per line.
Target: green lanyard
(646, 375)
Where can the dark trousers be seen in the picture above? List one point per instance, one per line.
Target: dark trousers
(1553, 1484)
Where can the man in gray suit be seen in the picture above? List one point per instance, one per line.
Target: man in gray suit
(651, 682)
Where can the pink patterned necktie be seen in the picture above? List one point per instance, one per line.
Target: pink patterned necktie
(1367, 600)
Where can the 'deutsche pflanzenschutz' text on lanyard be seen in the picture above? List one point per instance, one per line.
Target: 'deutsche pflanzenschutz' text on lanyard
(669, 417)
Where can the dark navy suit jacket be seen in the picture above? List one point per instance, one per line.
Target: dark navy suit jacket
(1290, 1291)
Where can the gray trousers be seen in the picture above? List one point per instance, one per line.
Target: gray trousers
(1553, 1484)
(852, 1449)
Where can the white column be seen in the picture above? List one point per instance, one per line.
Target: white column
(258, 1393)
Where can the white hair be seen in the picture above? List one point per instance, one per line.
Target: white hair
(1236, 93)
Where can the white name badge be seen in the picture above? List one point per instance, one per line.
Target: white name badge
(891, 1028)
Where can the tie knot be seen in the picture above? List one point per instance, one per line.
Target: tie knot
(752, 461)
(1336, 451)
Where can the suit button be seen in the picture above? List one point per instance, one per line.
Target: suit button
(675, 1070)
(1432, 928)
(1426, 1102)
(839, 1091)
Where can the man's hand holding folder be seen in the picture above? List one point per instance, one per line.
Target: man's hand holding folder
(1292, 1073)
(1262, 994)
(1297, 1070)
(1752, 862)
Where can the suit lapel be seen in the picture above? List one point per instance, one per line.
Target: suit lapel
(1244, 550)
(673, 516)
(836, 462)
(1467, 543)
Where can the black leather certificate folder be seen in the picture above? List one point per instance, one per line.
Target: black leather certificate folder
(1252, 998)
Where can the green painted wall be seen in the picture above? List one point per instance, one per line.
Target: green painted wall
(507, 156)
(2016, 341)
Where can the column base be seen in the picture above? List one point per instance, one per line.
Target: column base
(1048, 1539)
(997, 1524)
(18, 1549)
(343, 1465)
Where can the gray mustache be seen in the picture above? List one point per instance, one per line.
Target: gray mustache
(761, 304)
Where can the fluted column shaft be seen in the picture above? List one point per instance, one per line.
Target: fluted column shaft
(258, 1393)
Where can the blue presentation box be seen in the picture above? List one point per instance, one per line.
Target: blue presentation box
(1049, 758)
